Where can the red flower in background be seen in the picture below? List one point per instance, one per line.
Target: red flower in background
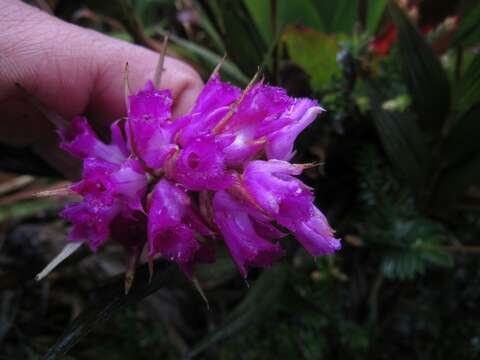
(382, 43)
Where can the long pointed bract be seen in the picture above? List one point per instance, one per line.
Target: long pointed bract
(161, 60)
(68, 250)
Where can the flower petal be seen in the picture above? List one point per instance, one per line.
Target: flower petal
(103, 181)
(201, 124)
(151, 105)
(130, 184)
(91, 222)
(237, 227)
(204, 255)
(212, 105)
(150, 129)
(309, 226)
(79, 140)
(215, 94)
(118, 139)
(316, 235)
(260, 104)
(171, 232)
(281, 142)
(130, 231)
(201, 166)
(270, 182)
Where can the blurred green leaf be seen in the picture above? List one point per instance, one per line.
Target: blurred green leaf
(110, 8)
(314, 52)
(454, 182)
(261, 14)
(437, 256)
(375, 10)
(401, 137)
(25, 209)
(462, 143)
(260, 301)
(222, 268)
(402, 266)
(206, 58)
(209, 28)
(355, 337)
(423, 72)
(468, 31)
(399, 103)
(468, 90)
(416, 243)
(148, 10)
(338, 16)
(299, 12)
(121, 36)
(240, 35)
(112, 299)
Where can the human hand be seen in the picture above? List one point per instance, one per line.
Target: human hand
(72, 71)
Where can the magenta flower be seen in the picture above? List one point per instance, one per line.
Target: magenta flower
(290, 203)
(212, 105)
(112, 184)
(80, 140)
(174, 224)
(219, 172)
(200, 165)
(301, 114)
(238, 224)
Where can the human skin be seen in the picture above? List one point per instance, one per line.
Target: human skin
(72, 71)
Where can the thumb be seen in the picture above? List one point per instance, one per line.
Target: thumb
(72, 71)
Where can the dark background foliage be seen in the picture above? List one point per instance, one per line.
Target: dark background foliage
(399, 182)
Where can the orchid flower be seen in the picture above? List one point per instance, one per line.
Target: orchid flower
(180, 185)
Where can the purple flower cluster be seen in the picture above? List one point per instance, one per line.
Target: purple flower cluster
(220, 172)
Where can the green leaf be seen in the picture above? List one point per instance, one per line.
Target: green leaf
(261, 15)
(209, 28)
(147, 10)
(121, 36)
(260, 301)
(437, 256)
(460, 162)
(222, 268)
(338, 16)
(423, 73)
(454, 182)
(26, 209)
(468, 90)
(315, 53)
(112, 299)
(299, 12)
(462, 143)
(415, 243)
(375, 10)
(406, 264)
(468, 31)
(402, 265)
(401, 137)
(207, 58)
(240, 35)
